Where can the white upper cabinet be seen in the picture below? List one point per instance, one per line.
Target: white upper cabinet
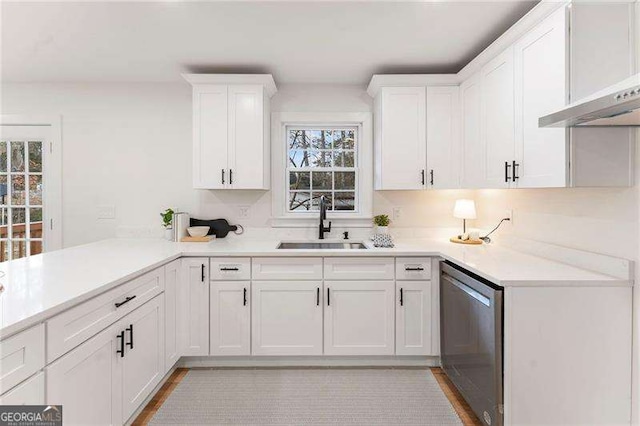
(496, 130)
(443, 138)
(541, 88)
(400, 139)
(470, 95)
(231, 130)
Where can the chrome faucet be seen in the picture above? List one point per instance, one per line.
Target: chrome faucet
(323, 215)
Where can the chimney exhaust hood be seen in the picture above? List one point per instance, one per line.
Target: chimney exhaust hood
(615, 106)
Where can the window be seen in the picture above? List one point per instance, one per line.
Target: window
(29, 190)
(322, 161)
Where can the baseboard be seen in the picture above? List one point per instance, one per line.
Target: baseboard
(309, 361)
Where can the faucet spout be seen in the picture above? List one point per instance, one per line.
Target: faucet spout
(323, 215)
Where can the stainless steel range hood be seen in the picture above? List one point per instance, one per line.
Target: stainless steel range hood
(617, 105)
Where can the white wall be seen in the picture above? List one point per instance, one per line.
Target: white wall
(129, 146)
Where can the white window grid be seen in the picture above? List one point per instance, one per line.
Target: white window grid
(7, 206)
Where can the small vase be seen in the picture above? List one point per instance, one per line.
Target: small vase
(168, 234)
(384, 230)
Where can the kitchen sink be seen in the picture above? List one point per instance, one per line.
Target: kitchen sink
(321, 246)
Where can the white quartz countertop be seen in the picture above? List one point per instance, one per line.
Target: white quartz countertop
(39, 287)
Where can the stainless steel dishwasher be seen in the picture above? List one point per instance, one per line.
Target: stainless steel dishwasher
(471, 313)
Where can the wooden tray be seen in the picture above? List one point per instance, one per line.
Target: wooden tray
(204, 239)
(459, 241)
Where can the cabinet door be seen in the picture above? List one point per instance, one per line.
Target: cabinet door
(230, 318)
(29, 392)
(497, 116)
(247, 149)
(171, 308)
(286, 318)
(472, 165)
(143, 361)
(195, 320)
(443, 142)
(401, 138)
(541, 88)
(413, 318)
(359, 318)
(86, 381)
(210, 121)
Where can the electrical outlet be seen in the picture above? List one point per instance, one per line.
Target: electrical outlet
(509, 213)
(243, 211)
(106, 212)
(397, 213)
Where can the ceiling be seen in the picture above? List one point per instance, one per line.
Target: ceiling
(310, 42)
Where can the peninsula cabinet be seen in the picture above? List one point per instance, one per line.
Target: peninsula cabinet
(549, 66)
(231, 129)
(105, 379)
(195, 319)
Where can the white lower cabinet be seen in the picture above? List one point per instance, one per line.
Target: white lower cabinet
(286, 317)
(104, 380)
(359, 318)
(413, 318)
(143, 360)
(195, 292)
(30, 392)
(172, 312)
(230, 327)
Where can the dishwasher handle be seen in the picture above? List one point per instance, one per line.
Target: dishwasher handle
(470, 291)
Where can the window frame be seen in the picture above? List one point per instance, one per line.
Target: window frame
(51, 173)
(362, 123)
(333, 168)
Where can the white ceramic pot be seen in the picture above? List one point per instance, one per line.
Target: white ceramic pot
(382, 230)
(168, 234)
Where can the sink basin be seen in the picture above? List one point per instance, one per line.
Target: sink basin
(321, 246)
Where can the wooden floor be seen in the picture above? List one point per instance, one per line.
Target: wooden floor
(459, 404)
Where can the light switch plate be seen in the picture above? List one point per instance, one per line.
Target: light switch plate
(107, 211)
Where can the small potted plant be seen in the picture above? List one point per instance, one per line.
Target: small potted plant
(382, 223)
(167, 223)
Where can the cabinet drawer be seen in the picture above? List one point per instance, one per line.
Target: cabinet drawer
(30, 392)
(72, 327)
(238, 268)
(413, 268)
(359, 268)
(21, 355)
(287, 268)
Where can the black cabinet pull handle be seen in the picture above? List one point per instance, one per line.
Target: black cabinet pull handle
(125, 301)
(121, 339)
(401, 297)
(419, 268)
(228, 269)
(244, 297)
(422, 174)
(130, 330)
(431, 176)
(223, 176)
(507, 166)
(318, 296)
(202, 272)
(328, 297)
(230, 176)
(514, 168)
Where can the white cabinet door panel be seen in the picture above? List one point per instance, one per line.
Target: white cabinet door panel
(86, 381)
(286, 318)
(413, 318)
(359, 318)
(172, 285)
(497, 125)
(286, 268)
(21, 355)
(246, 137)
(359, 268)
(143, 361)
(195, 319)
(210, 121)
(230, 318)
(541, 88)
(401, 138)
(443, 137)
(472, 154)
